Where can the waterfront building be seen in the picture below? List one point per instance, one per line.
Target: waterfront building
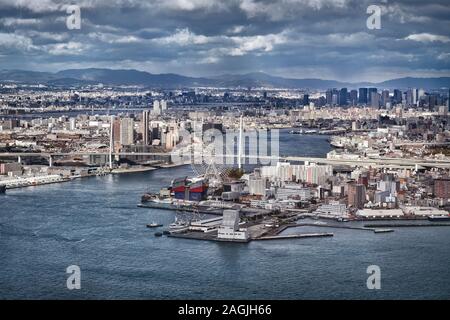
(333, 209)
(229, 230)
(380, 213)
(425, 211)
(356, 195)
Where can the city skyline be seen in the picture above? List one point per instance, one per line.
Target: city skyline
(293, 39)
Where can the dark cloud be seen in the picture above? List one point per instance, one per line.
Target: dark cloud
(291, 38)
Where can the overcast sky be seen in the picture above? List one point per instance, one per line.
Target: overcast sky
(325, 39)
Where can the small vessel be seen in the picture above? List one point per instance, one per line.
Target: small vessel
(154, 225)
(158, 234)
(2, 189)
(178, 226)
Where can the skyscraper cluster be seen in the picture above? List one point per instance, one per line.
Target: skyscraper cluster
(374, 98)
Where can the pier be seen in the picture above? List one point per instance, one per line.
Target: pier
(374, 228)
(296, 236)
(32, 181)
(408, 225)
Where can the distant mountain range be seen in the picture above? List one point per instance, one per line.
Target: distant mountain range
(75, 77)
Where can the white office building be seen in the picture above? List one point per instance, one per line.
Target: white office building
(229, 229)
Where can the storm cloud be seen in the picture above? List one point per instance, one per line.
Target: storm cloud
(291, 38)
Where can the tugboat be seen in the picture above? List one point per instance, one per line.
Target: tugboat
(2, 189)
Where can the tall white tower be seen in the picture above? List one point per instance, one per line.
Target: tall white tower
(240, 143)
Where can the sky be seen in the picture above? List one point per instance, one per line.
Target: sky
(326, 39)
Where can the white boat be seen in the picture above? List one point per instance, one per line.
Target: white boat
(178, 226)
(154, 225)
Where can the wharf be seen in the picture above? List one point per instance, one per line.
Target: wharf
(296, 236)
(208, 236)
(407, 225)
(132, 170)
(374, 228)
(32, 181)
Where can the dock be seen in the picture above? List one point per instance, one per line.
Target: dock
(208, 236)
(375, 228)
(21, 182)
(407, 225)
(296, 236)
(132, 170)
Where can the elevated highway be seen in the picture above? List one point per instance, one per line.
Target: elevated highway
(374, 162)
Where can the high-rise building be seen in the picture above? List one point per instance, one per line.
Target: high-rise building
(385, 98)
(420, 94)
(448, 100)
(329, 96)
(171, 137)
(442, 188)
(397, 96)
(145, 126)
(353, 97)
(369, 94)
(356, 195)
(362, 96)
(414, 96)
(375, 100)
(432, 102)
(305, 99)
(343, 97)
(156, 108)
(163, 104)
(116, 134)
(335, 100)
(126, 131)
(411, 97)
